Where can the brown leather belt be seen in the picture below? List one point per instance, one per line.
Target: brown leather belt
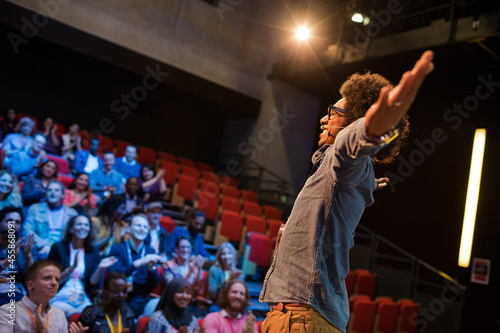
(283, 306)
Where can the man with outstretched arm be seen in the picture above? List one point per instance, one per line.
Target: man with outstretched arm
(305, 283)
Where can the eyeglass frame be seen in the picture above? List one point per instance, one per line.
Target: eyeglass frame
(333, 107)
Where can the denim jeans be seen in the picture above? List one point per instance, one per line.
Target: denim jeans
(297, 319)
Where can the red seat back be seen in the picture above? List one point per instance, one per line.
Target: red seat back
(121, 147)
(274, 228)
(142, 323)
(171, 171)
(167, 157)
(62, 164)
(260, 249)
(247, 195)
(209, 203)
(208, 175)
(229, 203)
(226, 180)
(363, 316)
(190, 171)
(146, 155)
(209, 186)
(66, 180)
(167, 223)
(187, 186)
(252, 208)
(271, 212)
(204, 166)
(231, 225)
(255, 224)
(186, 161)
(230, 191)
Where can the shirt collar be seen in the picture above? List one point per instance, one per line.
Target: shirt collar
(124, 160)
(224, 314)
(32, 306)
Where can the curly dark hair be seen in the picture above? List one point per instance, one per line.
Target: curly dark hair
(222, 300)
(361, 91)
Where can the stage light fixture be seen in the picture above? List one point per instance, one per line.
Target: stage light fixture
(302, 33)
(472, 197)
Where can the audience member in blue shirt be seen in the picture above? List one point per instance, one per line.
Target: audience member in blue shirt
(137, 261)
(16, 142)
(128, 165)
(107, 181)
(25, 163)
(195, 219)
(47, 220)
(87, 160)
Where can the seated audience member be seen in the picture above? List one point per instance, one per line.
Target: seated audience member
(34, 187)
(87, 160)
(128, 165)
(33, 314)
(223, 270)
(151, 185)
(195, 219)
(16, 142)
(79, 194)
(110, 314)
(24, 163)
(71, 143)
(79, 260)
(172, 313)
(116, 212)
(185, 265)
(158, 237)
(233, 301)
(49, 130)
(138, 262)
(107, 181)
(10, 223)
(9, 190)
(9, 123)
(47, 220)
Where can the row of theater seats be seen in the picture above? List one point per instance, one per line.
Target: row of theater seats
(379, 315)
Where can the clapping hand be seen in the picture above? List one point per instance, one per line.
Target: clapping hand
(250, 323)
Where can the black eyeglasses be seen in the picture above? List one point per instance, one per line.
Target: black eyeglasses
(335, 112)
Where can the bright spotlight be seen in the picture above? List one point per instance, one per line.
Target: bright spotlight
(357, 17)
(302, 33)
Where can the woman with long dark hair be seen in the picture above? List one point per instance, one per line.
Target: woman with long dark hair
(49, 130)
(79, 194)
(34, 187)
(152, 186)
(172, 314)
(81, 267)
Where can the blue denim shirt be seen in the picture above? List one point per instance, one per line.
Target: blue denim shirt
(313, 256)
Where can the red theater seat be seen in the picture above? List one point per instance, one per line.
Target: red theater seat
(146, 155)
(230, 191)
(271, 212)
(362, 317)
(251, 208)
(209, 203)
(408, 317)
(204, 166)
(209, 186)
(190, 171)
(62, 164)
(274, 228)
(184, 190)
(121, 147)
(208, 175)
(142, 323)
(171, 171)
(386, 318)
(66, 180)
(226, 180)
(228, 228)
(167, 223)
(260, 249)
(249, 196)
(186, 161)
(167, 157)
(365, 283)
(229, 203)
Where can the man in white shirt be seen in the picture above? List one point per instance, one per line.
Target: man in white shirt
(33, 313)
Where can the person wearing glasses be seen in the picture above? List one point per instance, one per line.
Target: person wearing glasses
(305, 283)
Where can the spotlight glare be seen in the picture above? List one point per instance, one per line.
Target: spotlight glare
(302, 33)
(357, 17)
